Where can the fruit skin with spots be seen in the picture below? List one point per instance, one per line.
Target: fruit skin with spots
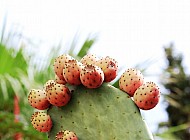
(66, 135)
(37, 99)
(89, 59)
(60, 81)
(58, 94)
(59, 64)
(109, 66)
(91, 76)
(147, 96)
(47, 85)
(41, 121)
(71, 72)
(130, 80)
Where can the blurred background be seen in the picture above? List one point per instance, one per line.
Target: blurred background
(152, 36)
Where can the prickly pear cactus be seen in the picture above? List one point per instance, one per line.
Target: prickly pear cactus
(104, 113)
(85, 107)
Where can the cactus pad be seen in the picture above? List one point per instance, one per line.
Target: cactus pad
(105, 113)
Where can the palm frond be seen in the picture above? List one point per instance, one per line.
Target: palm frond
(3, 88)
(86, 47)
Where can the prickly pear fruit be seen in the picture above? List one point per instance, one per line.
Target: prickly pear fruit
(58, 94)
(89, 59)
(66, 135)
(41, 121)
(91, 76)
(130, 80)
(147, 96)
(71, 72)
(59, 64)
(37, 99)
(48, 84)
(110, 68)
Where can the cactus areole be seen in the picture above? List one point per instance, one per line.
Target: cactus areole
(104, 113)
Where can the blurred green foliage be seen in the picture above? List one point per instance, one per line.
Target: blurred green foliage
(177, 83)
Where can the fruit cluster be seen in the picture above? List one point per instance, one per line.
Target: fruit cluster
(145, 94)
(90, 72)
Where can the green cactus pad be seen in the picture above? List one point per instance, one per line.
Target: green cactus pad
(105, 113)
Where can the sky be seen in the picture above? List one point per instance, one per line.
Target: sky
(131, 31)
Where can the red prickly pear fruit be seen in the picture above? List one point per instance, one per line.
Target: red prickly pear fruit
(41, 122)
(59, 64)
(48, 84)
(37, 99)
(130, 80)
(89, 59)
(71, 72)
(60, 81)
(58, 94)
(110, 68)
(147, 96)
(91, 76)
(66, 135)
